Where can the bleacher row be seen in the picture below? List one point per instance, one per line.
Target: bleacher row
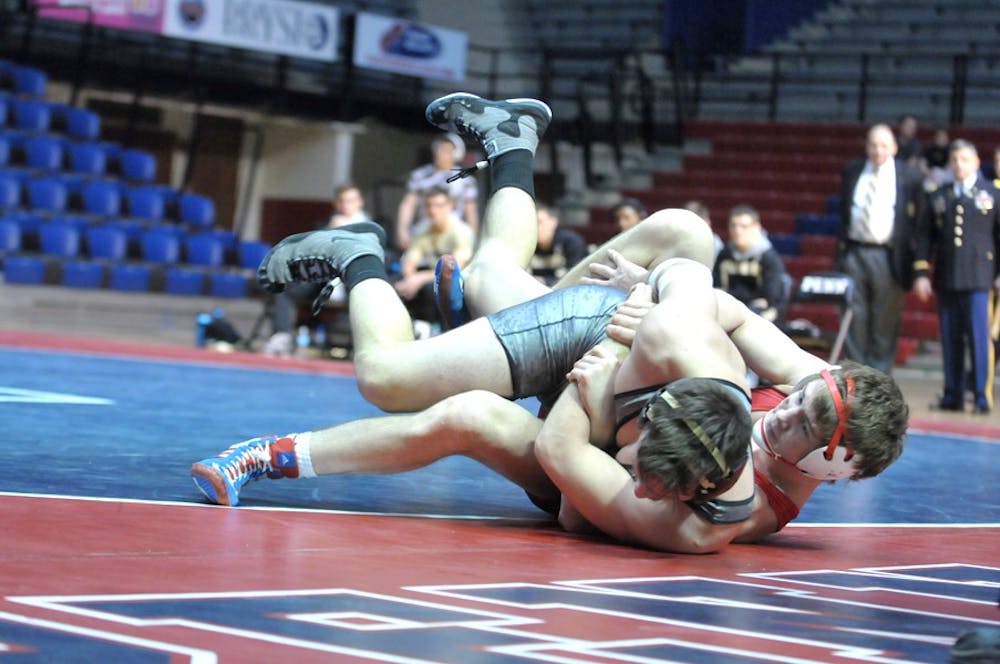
(791, 173)
(82, 212)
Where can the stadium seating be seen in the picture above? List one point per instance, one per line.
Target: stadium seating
(130, 277)
(161, 245)
(184, 281)
(88, 158)
(197, 211)
(10, 236)
(107, 242)
(102, 198)
(32, 116)
(44, 153)
(61, 239)
(47, 194)
(82, 274)
(10, 191)
(228, 284)
(205, 250)
(23, 270)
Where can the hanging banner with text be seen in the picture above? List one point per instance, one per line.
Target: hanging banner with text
(144, 16)
(287, 27)
(403, 47)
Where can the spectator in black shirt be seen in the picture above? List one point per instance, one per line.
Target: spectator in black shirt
(558, 248)
(749, 268)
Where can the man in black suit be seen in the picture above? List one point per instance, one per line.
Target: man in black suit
(960, 229)
(880, 201)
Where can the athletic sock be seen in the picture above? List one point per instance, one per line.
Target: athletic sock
(362, 268)
(303, 442)
(290, 456)
(513, 169)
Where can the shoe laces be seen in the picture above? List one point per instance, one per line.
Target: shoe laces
(246, 462)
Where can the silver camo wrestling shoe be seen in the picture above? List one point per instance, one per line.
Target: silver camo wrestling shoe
(319, 256)
(499, 126)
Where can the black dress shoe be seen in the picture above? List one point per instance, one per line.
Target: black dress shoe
(942, 404)
(981, 409)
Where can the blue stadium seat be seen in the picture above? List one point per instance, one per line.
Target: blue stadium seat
(181, 281)
(88, 158)
(29, 224)
(10, 236)
(817, 224)
(83, 125)
(4, 109)
(107, 242)
(251, 252)
(5, 149)
(44, 153)
(23, 270)
(161, 245)
(138, 166)
(227, 284)
(59, 239)
(32, 116)
(129, 277)
(47, 194)
(145, 202)
(102, 198)
(10, 191)
(205, 250)
(30, 82)
(197, 211)
(787, 245)
(82, 274)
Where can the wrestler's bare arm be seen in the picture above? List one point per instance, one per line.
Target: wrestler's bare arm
(602, 491)
(766, 349)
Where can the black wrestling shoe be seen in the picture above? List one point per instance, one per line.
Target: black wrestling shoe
(319, 256)
(498, 126)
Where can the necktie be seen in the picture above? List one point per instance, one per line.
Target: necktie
(869, 203)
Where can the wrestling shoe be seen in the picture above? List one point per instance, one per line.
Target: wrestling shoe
(319, 256)
(449, 292)
(221, 478)
(499, 126)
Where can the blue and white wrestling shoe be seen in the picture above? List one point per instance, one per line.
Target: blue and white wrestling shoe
(221, 478)
(449, 293)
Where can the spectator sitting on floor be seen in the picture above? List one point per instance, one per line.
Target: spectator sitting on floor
(447, 152)
(446, 234)
(628, 213)
(749, 268)
(348, 207)
(701, 210)
(558, 248)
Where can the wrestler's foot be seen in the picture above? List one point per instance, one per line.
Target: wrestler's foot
(499, 126)
(221, 478)
(319, 256)
(449, 292)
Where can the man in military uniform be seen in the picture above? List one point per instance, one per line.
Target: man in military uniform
(961, 226)
(880, 200)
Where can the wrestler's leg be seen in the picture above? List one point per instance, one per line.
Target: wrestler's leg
(508, 132)
(497, 277)
(672, 233)
(480, 425)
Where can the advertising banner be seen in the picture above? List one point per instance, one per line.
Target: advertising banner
(142, 15)
(403, 47)
(289, 27)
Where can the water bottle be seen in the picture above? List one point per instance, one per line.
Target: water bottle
(319, 339)
(302, 341)
(203, 320)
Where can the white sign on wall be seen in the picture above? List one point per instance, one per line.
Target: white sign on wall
(415, 49)
(289, 27)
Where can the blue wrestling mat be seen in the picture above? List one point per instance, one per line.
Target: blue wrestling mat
(84, 425)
